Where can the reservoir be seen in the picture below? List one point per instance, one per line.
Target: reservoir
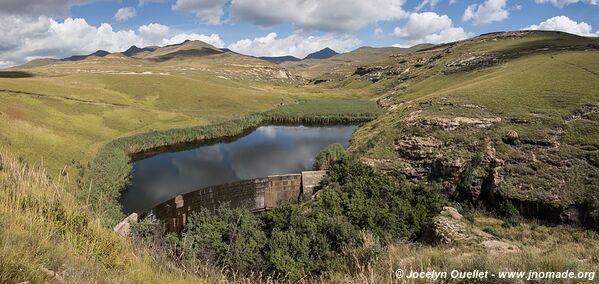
(268, 150)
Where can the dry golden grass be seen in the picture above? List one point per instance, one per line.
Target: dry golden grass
(45, 230)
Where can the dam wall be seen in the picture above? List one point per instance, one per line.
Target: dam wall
(257, 195)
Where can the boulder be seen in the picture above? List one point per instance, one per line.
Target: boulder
(124, 227)
(511, 137)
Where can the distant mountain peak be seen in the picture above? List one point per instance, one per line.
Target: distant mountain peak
(133, 50)
(322, 54)
(279, 59)
(99, 53)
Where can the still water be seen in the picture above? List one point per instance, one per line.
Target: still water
(268, 150)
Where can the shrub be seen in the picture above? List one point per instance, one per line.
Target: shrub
(358, 212)
(330, 155)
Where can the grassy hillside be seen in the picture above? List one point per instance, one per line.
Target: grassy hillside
(526, 103)
(66, 110)
(344, 63)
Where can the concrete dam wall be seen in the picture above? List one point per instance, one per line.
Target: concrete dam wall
(258, 194)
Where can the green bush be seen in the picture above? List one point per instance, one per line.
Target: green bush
(229, 237)
(510, 214)
(330, 155)
(319, 236)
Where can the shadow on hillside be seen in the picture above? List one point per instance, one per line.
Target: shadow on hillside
(15, 74)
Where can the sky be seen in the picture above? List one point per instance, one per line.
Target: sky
(31, 29)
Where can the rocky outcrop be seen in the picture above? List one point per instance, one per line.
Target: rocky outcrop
(450, 228)
(376, 73)
(415, 147)
(473, 62)
(583, 113)
(124, 227)
(453, 123)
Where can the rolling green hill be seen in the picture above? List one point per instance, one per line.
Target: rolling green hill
(345, 63)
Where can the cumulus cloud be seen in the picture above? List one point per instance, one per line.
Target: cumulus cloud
(424, 3)
(330, 15)
(296, 45)
(429, 27)
(210, 11)
(124, 14)
(34, 8)
(213, 39)
(565, 24)
(562, 3)
(25, 38)
(487, 12)
(153, 32)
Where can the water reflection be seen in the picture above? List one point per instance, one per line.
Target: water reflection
(267, 151)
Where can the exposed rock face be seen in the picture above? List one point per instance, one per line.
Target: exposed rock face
(374, 73)
(450, 228)
(471, 63)
(583, 113)
(449, 124)
(124, 227)
(415, 147)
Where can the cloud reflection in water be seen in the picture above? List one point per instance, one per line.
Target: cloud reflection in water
(267, 151)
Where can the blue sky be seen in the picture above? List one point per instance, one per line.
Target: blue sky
(32, 29)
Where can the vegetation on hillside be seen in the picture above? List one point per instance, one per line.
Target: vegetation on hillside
(47, 234)
(357, 213)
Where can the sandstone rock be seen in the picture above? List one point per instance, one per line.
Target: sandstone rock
(416, 147)
(470, 63)
(449, 227)
(511, 137)
(413, 116)
(453, 123)
(451, 212)
(448, 230)
(375, 73)
(124, 227)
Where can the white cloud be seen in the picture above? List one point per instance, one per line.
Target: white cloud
(213, 39)
(429, 27)
(296, 45)
(562, 3)
(23, 38)
(210, 11)
(424, 3)
(487, 12)
(124, 14)
(330, 15)
(153, 32)
(565, 24)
